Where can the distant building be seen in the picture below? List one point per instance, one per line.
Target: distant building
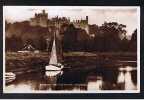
(83, 24)
(28, 48)
(41, 19)
(58, 21)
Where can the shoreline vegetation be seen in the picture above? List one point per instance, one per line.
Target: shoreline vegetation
(21, 63)
(105, 46)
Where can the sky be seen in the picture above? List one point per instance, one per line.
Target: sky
(128, 16)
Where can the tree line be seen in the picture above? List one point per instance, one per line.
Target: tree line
(109, 37)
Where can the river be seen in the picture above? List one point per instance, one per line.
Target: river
(96, 79)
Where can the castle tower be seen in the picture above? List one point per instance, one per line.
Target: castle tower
(87, 26)
(43, 19)
(43, 11)
(39, 19)
(87, 19)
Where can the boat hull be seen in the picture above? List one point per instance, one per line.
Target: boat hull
(10, 77)
(53, 73)
(52, 68)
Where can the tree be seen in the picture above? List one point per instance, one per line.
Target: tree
(109, 36)
(82, 39)
(13, 43)
(42, 43)
(70, 38)
(124, 44)
(133, 41)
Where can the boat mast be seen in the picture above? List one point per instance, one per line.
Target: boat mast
(53, 58)
(59, 43)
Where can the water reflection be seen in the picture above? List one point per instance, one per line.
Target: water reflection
(125, 78)
(76, 80)
(20, 88)
(95, 83)
(53, 73)
(129, 85)
(50, 78)
(121, 78)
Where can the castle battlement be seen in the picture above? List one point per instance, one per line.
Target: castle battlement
(83, 24)
(41, 19)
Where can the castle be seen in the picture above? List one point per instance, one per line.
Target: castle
(41, 19)
(83, 24)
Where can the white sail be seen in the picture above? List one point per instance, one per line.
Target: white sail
(53, 63)
(53, 58)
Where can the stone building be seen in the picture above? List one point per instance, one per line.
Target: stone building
(83, 24)
(41, 19)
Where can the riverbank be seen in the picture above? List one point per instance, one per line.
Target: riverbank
(29, 62)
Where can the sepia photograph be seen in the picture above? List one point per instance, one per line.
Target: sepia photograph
(71, 49)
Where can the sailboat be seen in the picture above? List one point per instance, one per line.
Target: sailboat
(54, 65)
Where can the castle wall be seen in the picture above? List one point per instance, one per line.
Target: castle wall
(42, 20)
(83, 24)
(33, 22)
(39, 19)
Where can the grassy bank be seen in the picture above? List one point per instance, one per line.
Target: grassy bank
(27, 62)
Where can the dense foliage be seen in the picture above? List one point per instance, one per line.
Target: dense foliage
(109, 37)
